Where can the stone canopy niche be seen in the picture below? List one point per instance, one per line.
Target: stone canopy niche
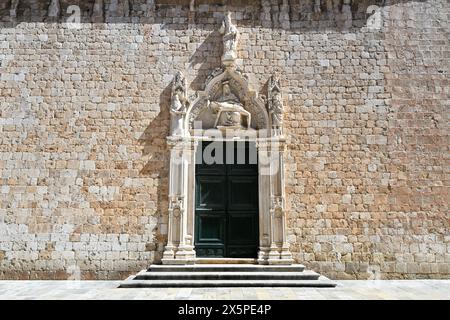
(228, 109)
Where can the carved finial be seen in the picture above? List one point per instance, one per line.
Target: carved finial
(275, 104)
(97, 11)
(179, 104)
(230, 38)
(54, 9)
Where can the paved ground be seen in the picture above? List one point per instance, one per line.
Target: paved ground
(347, 290)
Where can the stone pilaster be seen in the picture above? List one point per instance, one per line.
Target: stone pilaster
(180, 246)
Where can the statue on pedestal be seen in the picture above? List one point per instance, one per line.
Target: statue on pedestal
(230, 39)
(179, 104)
(275, 104)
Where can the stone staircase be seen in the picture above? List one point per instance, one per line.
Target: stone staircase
(226, 275)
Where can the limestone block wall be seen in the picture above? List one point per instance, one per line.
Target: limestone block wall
(84, 113)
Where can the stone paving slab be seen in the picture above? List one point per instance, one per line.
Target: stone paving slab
(345, 290)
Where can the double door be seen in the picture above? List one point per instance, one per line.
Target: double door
(226, 200)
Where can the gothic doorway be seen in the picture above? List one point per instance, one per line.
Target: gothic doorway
(226, 200)
(223, 210)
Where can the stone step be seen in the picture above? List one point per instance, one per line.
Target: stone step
(321, 282)
(227, 268)
(188, 275)
(225, 261)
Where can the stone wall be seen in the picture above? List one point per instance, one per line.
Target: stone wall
(84, 117)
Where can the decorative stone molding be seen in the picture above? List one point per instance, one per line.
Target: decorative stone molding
(250, 101)
(227, 105)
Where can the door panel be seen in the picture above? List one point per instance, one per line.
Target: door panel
(210, 192)
(243, 193)
(242, 228)
(226, 218)
(211, 227)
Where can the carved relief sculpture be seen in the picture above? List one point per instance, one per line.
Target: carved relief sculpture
(346, 13)
(119, 8)
(178, 106)
(275, 104)
(149, 8)
(97, 11)
(317, 6)
(230, 38)
(229, 110)
(265, 13)
(275, 13)
(54, 9)
(126, 8)
(284, 18)
(13, 9)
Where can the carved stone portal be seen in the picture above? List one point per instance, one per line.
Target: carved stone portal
(228, 109)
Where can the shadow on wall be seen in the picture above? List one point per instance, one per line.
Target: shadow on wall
(155, 150)
(203, 14)
(205, 58)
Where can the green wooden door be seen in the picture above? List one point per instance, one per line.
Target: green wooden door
(226, 200)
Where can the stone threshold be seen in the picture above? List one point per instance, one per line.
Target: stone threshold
(225, 261)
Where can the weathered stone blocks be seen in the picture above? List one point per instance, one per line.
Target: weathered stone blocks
(84, 116)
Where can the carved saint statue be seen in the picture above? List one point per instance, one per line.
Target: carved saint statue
(230, 111)
(179, 104)
(275, 102)
(230, 39)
